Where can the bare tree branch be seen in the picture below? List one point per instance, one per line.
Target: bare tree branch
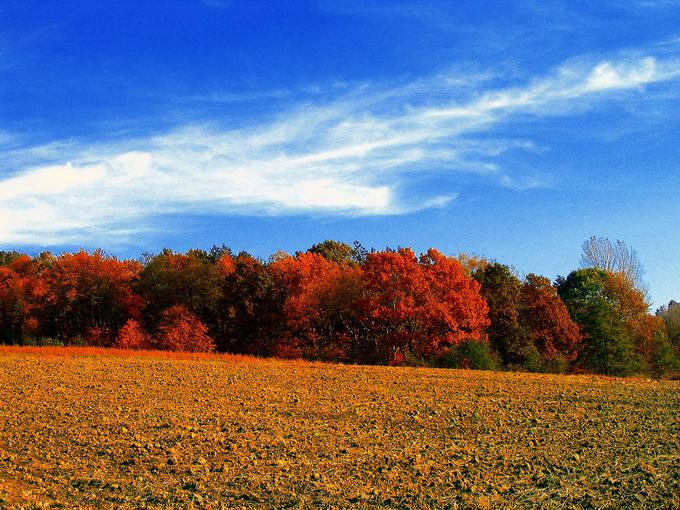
(616, 257)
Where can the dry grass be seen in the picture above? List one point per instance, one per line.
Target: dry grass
(83, 428)
(126, 353)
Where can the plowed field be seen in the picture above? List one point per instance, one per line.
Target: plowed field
(99, 429)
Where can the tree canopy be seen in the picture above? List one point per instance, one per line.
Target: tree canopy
(338, 302)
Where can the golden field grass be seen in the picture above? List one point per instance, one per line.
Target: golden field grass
(89, 428)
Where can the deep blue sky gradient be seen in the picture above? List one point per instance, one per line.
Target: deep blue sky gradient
(84, 81)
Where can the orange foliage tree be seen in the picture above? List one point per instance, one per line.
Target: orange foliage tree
(632, 306)
(181, 330)
(21, 289)
(133, 336)
(334, 302)
(419, 305)
(89, 296)
(321, 296)
(472, 263)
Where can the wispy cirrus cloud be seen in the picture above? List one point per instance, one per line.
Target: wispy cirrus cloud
(346, 155)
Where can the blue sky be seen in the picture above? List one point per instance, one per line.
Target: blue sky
(509, 129)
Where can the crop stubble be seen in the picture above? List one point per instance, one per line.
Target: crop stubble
(103, 429)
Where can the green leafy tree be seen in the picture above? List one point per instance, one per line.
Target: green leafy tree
(503, 292)
(250, 316)
(7, 257)
(193, 280)
(664, 358)
(336, 251)
(608, 345)
(671, 317)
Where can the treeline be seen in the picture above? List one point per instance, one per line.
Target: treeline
(338, 302)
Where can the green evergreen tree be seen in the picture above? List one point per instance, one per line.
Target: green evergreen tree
(608, 346)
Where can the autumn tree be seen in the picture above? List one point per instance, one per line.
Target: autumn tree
(546, 320)
(338, 302)
(502, 290)
(220, 252)
(133, 336)
(21, 292)
(631, 304)
(457, 310)
(320, 304)
(418, 306)
(181, 330)
(250, 315)
(193, 280)
(472, 263)
(88, 296)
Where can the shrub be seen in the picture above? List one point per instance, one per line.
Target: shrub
(664, 359)
(133, 336)
(556, 365)
(535, 362)
(42, 341)
(470, 354)
(409, 359)
(181, 330)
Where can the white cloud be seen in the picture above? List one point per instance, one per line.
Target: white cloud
(606, 76)
(346, 156)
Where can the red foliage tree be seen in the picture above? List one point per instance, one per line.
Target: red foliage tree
(321, 297)
(21, 290)
(181, 330)
(456, 307)
(421, 305)
(133, 336)
(89, 295)
(547, 321)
